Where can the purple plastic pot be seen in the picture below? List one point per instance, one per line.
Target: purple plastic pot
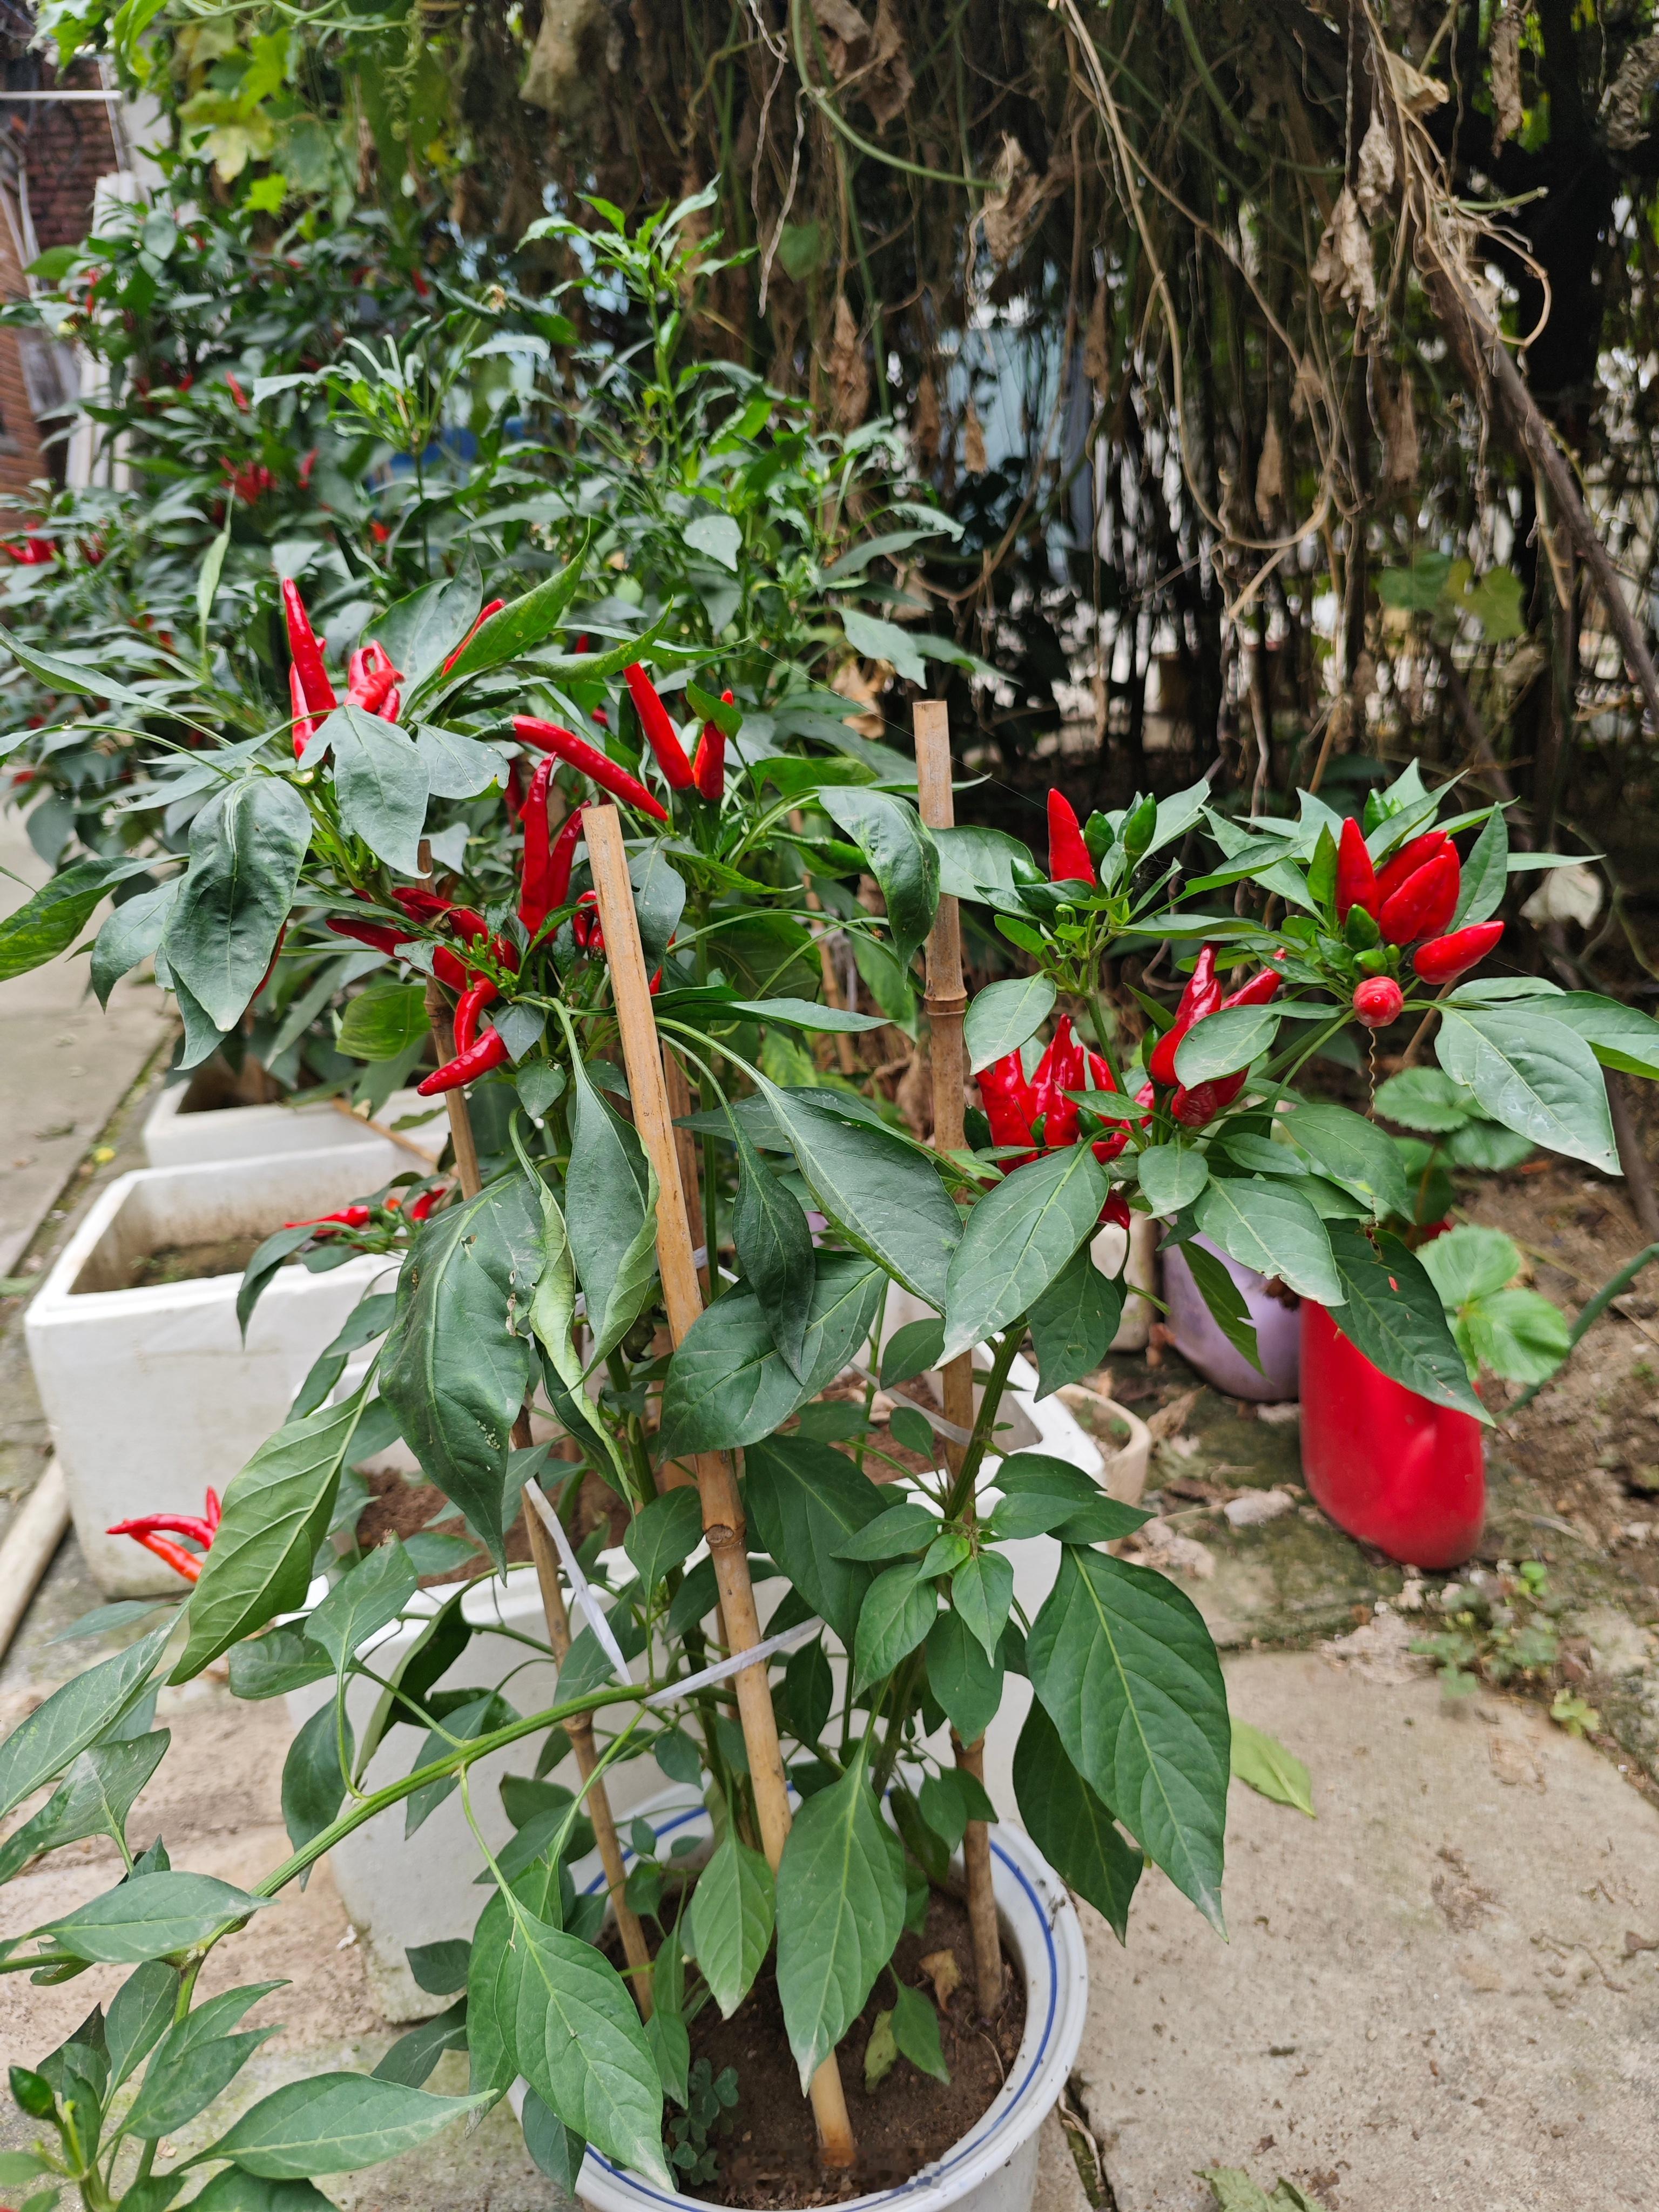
(1201, 1343)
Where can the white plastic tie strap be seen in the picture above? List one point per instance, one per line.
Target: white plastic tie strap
(739, 1661)
(582, 1590)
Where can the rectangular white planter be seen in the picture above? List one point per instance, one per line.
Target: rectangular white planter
(150, 1394)
(179, 1134)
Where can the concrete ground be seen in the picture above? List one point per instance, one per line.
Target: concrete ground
(1442, 1990)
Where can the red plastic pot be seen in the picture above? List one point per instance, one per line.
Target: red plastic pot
(1391, 1468)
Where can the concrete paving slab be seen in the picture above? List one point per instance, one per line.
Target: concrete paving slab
(65, 1064)
(1438, 1992)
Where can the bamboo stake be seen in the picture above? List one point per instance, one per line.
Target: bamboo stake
(945, 1004)
(722, 1510)
(580, 1730)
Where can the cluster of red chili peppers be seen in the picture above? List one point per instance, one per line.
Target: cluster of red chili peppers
(1193, 1109)
(1411, 897)
(371, 680)
(1040, 1110)
(32, 552)
(360, 1216)
(151, 1530)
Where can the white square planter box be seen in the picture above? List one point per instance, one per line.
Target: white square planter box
(179, 1134)
(150, 1394)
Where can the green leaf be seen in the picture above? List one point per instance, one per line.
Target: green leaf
(1172, 1176)
(896, 1613)
(911, 1351)
(804, 1500)
(413, 2056)
(1619, 1036)
(149, 1915)
(981, 1591)
(731, 1920)
(1392, 1313)
(987, 867)
(557, 2151)
(1073, 1322)
(1043, 1495)
(363, 1601)
(885, 1196)
(1469, 1262)
(1226, 1303)
(1420, 1098)
(580, 2047)
(1003, 1016)
(313, 1780)
(1070, 1824)
(663, 1534)
(140, 2014)
(1355, 1153)
(880, 2053)
(235, 2190)
(1018, 1240)
(421, 632)
(1223, 1042)
(728, 1385)
(1272, 1227)
(94, 1799)
(131, 932)
(1534, 1074)
(611, 1212)
(74, 1717)
(840, 1912)
(383, 1022)
(1517, 1333)
(524, 621)
(276, 1512)
(904, 1527)
(774, 1250)
(245, 848)
(1126, 1668)
(1263, 1762)
(966, 1685)
(380, 782)
(1485, 873)
(903, 856)
(456, 767)
(334, 2124)
(915, 2031)
(58, 674)
(454, 1370)
(196, 2058)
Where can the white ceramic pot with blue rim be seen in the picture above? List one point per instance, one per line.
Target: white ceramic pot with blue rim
(994, 2167)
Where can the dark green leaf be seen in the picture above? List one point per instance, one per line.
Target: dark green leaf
(915, 2031)
(1018, 1240)
(1228, 1307)
(383, 1021)
(911, 1351)
(664, 1534)
(131, 932)
(1422, 1098)
(455, 1370)
(413, 2056)
(271, 1665)
(196, 2058)
(1005, 1016)
(524, 622)
(314, 1781)
(363, 1601)
(234, 2189)
(1125, 1666)
(140, 2014)
(557, 2151)
(659, 900)
(610, 1202)
(421, 632)
(1393, 1314)
(1354, 1152)
(1485, 873)
(809, 1692)
(440, 1968)
(731, 1922)
(896, 1613)
(276, 1512)
(1172, 1176)
(906, 1527)
(456, 767)
(245, 848)
(903, 856)
(804, 1500)
(49, 921)
(580, 2047)
(336, 2124)
(94, 1800)
(966, 1685)
(886, 1197)
(1272, 1226)
(840, 1911)
(74, 1717)
(774, 1250)
(1224, 1042)
(1534, 1074)
(1074, 1320)
(1070, 1825)
(981, 1591)
(1619, 1036)
(149, 1915)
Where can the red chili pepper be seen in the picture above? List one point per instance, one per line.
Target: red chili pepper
(1060, 1069)
(212, 1510)
(514, 794)
(424, 1205)
(1007, 1100)
(1115, 1212)
(1378, 1002)
(304, 727)
(654, 721)
(484, 613)
(173, 1555)
(562, 859)
(449, 969)
(1443, 959)
(535, 884)
(549, 738)
(1068, 855)
(1202, 996)
(372, 679)
(468, 1007)
(1356, 877)
(1257, 991)
(489, 1052)
(1406, 861)
(237, 393)
(348, 1217)
(708, 768)
(379, 935)
(1424, 903)
(1193, 1108)
(270, 968)
(307, 652)
(181, 1524)
(308, 462)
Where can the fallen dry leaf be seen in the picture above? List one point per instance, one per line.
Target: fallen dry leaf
(943, 1972)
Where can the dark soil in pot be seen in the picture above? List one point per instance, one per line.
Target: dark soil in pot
(191, 1263)
(769, 2158)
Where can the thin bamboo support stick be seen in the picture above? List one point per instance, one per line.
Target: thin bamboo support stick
(634, 1947)
(945, 1004)
(722, 1510)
